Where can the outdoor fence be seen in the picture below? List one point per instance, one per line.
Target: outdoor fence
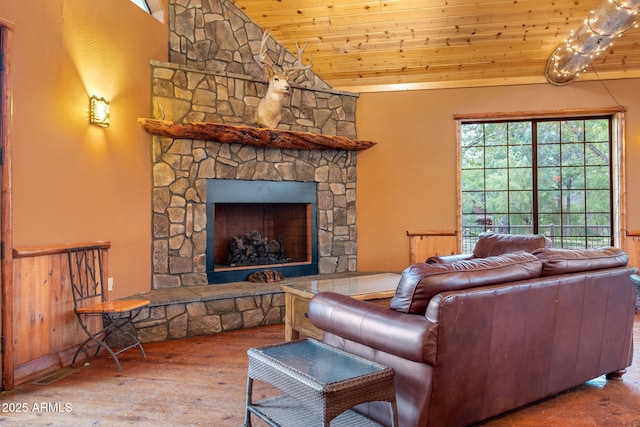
(565, 236)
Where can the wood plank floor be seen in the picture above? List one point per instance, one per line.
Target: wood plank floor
(201, 382)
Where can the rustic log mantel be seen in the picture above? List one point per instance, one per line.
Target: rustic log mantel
(257, 137)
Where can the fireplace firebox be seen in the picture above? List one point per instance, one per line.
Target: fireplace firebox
(260, 225)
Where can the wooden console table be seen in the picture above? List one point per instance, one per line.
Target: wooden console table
(298, 294)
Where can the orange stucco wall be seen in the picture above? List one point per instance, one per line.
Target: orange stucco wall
(73, 181)
(408, 180)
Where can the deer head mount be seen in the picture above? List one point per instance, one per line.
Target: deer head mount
(269, 111)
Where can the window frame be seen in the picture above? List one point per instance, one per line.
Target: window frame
(154, 8)
(617, 115)
(142, 4)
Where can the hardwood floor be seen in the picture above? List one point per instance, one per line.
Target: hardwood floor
(201, 382)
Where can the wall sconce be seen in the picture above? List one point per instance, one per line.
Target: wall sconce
(99, 111)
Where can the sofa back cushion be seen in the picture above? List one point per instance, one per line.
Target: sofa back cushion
(491, 244)
(420, 282)
(563, 261)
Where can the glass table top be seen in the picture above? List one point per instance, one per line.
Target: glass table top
(351, 286)
(320, 361)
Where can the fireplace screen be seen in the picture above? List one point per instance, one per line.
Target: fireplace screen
(260, 225)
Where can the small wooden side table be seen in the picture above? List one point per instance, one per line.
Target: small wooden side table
(319, 383)
(298, 294)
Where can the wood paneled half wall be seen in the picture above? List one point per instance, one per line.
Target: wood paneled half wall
(426, 243)
(42, 332)
(632, 247)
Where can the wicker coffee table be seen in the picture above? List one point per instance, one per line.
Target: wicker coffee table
(319, 384)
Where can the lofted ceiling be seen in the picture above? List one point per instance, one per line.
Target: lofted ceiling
(361, 46)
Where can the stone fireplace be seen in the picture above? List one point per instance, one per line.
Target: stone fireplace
(213, 77)
(186, 173)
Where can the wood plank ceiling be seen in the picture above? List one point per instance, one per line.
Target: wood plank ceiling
(361, 45)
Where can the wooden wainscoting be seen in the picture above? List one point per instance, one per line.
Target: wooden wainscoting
(44, 330)
(426, 243)
(632, 247)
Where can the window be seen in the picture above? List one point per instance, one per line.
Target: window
(142, 4)
(152, 7)
(542, 176)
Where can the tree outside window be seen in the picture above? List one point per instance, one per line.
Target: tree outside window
(547, 176)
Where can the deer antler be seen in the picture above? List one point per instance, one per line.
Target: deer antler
(268, 66)
(293, 71)
(269, 110)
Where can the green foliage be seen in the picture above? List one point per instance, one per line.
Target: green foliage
(569, 177)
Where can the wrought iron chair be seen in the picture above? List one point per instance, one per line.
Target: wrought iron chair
(98, 316)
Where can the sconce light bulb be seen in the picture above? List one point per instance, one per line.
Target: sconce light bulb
(99, 111)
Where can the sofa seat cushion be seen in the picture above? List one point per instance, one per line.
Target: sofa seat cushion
(563, 261)
(420, 282)
(492, 244)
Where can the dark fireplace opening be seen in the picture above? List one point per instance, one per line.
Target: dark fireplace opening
(250, 234)
(260, 225)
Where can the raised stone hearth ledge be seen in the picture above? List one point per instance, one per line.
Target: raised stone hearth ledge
(257, 137)
(202, 293)
(190, 311)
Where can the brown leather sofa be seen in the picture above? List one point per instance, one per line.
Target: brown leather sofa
(473, 338)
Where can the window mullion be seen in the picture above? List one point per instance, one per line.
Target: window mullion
(534, 177)
(568, 179)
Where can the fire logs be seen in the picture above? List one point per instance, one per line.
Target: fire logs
(253, 249)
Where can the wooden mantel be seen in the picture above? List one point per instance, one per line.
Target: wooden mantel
(257, 137)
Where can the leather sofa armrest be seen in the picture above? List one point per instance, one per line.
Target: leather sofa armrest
(407, 336)
(444, 259)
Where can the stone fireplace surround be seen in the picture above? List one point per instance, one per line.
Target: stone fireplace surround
(222, 83)
(183, 304)
(181, 170)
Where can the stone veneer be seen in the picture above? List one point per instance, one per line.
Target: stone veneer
(213, 76)
(216, 35)
(204, 310)
(181, 170)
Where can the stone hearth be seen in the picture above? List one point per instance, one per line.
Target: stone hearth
(204, 310)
